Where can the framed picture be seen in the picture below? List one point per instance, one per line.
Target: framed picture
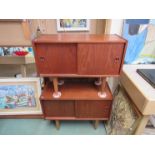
(140, 34)
(20, 96)
(73, 24)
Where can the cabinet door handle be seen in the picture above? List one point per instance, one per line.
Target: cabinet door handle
(42, 58)
(116, 59)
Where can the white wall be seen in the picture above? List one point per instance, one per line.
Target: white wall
(116, 28)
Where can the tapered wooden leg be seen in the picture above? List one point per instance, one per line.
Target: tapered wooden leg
(96, 124)
(141, 126)
(57, 123)
(103, 84)
(56, 93)
(102, 92)
(55, 84)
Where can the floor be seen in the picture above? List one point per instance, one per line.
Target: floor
(150, 129)
(45, 127)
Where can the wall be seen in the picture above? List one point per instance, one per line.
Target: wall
(115, 27)
(97, 26)
(12, 34)
(12, 31)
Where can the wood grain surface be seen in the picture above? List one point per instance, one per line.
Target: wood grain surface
(99, 58)
(56, 58)
(59, 108)
(78, 38)
(93, 109)
(79, 55)
(76, 91)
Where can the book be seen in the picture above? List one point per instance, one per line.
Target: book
(148, 75)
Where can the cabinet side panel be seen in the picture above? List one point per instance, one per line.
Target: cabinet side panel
(40, 55)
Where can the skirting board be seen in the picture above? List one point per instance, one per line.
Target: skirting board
(21, 116)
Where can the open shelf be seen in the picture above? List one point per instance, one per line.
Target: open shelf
(16, 60)
(75, 91)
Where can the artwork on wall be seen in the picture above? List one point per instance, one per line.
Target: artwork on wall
(20, 96)
(140, 34)
(73, 24)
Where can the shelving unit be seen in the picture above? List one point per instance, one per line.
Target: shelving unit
(17, 60)
(15, 33)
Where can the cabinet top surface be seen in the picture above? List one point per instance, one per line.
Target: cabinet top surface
(76, 91)
(78, 38)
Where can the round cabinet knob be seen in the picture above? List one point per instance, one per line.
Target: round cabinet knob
(116, 59)
(42, 59)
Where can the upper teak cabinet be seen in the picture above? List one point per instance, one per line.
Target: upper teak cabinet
(79, 55)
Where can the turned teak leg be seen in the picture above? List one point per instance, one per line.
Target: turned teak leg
(56, 93)
(102, 93)
(96, 124)
(57, 123)
(55, 84)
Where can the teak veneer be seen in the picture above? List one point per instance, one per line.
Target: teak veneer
(75, 91)
(84, 55)
(78, 55)
(79, 101)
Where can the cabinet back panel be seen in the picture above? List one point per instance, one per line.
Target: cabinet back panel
(100, 59)
(56, 58)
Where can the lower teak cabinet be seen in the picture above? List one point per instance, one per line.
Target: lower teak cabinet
(84, 105)
(82, 110)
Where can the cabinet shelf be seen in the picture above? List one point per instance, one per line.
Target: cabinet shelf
(76, 91)
(16, 60)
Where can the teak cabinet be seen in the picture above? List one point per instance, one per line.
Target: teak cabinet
(78, 101)
(78, 56)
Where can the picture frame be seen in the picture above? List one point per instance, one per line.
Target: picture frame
(140, 36)
(20, 96)
(73, 24)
